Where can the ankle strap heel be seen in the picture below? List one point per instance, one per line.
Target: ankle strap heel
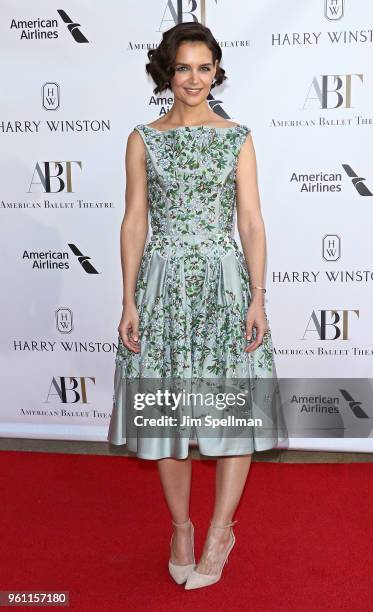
(224, 526)
(180, 573)
(197, 580)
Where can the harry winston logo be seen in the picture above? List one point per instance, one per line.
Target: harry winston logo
(331, 247)
(50, 95)
(64, 320)
(333, 9)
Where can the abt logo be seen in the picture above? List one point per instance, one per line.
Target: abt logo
(69, 389)
(332, 90)
(329, 321)
(61, 172)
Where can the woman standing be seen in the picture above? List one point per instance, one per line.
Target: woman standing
(193, 304)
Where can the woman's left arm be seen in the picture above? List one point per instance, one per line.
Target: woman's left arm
(251, 229)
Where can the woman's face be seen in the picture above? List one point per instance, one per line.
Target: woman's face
(194, 72)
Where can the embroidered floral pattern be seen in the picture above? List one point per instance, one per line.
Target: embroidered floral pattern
(193, 291)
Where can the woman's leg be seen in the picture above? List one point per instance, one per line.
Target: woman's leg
(231, 474)
(176, 475)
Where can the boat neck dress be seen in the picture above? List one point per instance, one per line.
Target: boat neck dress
(192, 294)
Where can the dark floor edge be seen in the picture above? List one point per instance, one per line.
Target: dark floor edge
(104, 448)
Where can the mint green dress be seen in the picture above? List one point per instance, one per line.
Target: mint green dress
(193, 293)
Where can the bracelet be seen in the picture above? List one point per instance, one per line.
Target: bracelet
(257, 287)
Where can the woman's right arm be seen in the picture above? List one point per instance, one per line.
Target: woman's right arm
(133, 233)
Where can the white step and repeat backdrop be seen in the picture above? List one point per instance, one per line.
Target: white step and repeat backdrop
(73, 87)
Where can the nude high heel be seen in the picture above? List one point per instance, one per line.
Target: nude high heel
(181, 572)
(196, 580)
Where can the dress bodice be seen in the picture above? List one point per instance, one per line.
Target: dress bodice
(191, 176)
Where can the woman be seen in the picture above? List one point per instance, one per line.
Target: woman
(190, 308)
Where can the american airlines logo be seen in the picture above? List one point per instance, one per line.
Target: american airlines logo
(357, 181)
(354, 405)
(83, 260)
(73, 27)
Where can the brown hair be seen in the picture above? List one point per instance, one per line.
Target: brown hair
(162, 59)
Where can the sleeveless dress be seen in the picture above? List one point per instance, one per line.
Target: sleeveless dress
(193, 293)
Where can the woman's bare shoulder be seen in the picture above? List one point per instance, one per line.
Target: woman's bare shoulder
(135, 148)
(157, 123)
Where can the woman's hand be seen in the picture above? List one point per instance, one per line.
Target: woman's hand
(128, 328)
(256, 317)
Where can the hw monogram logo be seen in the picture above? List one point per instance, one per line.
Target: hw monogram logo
(331, 247)
(339, 324)
(51, 96)
(64, 320)
(60, 171)
(69, 390)
(334, 9)
(332, 90)
(72, 27)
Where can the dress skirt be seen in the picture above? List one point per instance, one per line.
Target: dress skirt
(192, 297)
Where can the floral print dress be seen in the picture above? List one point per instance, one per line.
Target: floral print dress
(193, 290)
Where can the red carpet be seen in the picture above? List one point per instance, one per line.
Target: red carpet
(98, 527)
